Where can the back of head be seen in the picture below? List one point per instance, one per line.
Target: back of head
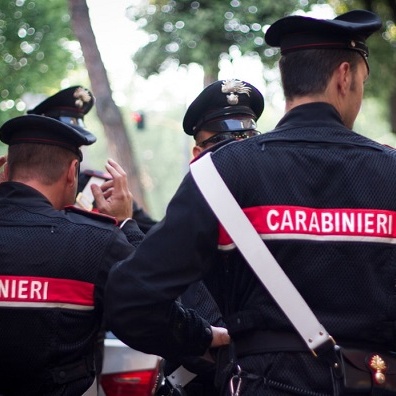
(312, 48)
(308, 72)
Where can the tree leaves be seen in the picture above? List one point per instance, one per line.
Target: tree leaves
(35, 50)
(201, 31)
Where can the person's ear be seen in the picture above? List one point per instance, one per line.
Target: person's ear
(72, 172)
(196, 151)
(6, 171)
(344, 77)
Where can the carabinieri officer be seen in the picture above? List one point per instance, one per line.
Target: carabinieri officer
(55, 259)
(294, 184)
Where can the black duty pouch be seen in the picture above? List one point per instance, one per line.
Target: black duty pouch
(365, 372)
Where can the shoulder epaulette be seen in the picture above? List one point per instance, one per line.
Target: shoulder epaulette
(92, 214)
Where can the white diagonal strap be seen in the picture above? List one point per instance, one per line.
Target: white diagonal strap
(256, 253)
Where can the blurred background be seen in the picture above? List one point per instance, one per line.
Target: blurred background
(146, 60)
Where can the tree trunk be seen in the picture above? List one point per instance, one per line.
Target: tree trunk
(109, 114)
(211, 69)
(392, 103)
(209, 78)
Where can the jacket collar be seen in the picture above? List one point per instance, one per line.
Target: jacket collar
(316, 113)
(20, 193)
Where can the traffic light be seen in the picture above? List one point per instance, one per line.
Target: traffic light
(138, 117)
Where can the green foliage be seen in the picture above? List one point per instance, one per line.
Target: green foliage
(382, 81)
(35, 51)
(186, 31)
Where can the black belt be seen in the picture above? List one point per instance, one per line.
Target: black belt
(265, 341)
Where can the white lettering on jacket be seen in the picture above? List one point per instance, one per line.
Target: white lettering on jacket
(329, 222)
(325, 224)
(23, 289)
(45, 292)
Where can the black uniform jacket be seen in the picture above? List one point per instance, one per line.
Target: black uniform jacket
(144, 221)
(54, 266)
(323, 199)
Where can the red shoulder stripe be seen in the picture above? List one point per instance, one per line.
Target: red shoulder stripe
(92, 214)
(320, 224)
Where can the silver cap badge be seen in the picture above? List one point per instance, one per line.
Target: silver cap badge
(82, 96)
(234, 87)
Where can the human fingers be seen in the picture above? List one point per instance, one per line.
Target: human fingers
(108, 184)
(120, 180)
(100, 198)
(3, 160)
(108, 193)
(115, 169)
(116, 166)
(220, 337)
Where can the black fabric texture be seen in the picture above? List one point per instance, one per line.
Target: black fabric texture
(310, 160)
(38, 241)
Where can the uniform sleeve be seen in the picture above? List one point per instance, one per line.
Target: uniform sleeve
(144, 221)
(199, 297)
(119, 246)
(141, 291)
(133, 232)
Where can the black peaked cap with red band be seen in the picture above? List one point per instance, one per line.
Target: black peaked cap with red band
(347, 31)
(44, 130)
(69, 105)
(221, 103)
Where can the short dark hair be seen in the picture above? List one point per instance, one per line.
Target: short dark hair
(43, 162)
(308, 72)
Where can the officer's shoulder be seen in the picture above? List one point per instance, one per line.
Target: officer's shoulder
(214, 148)
(389, 151)
(90, 216)
(389, 148)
